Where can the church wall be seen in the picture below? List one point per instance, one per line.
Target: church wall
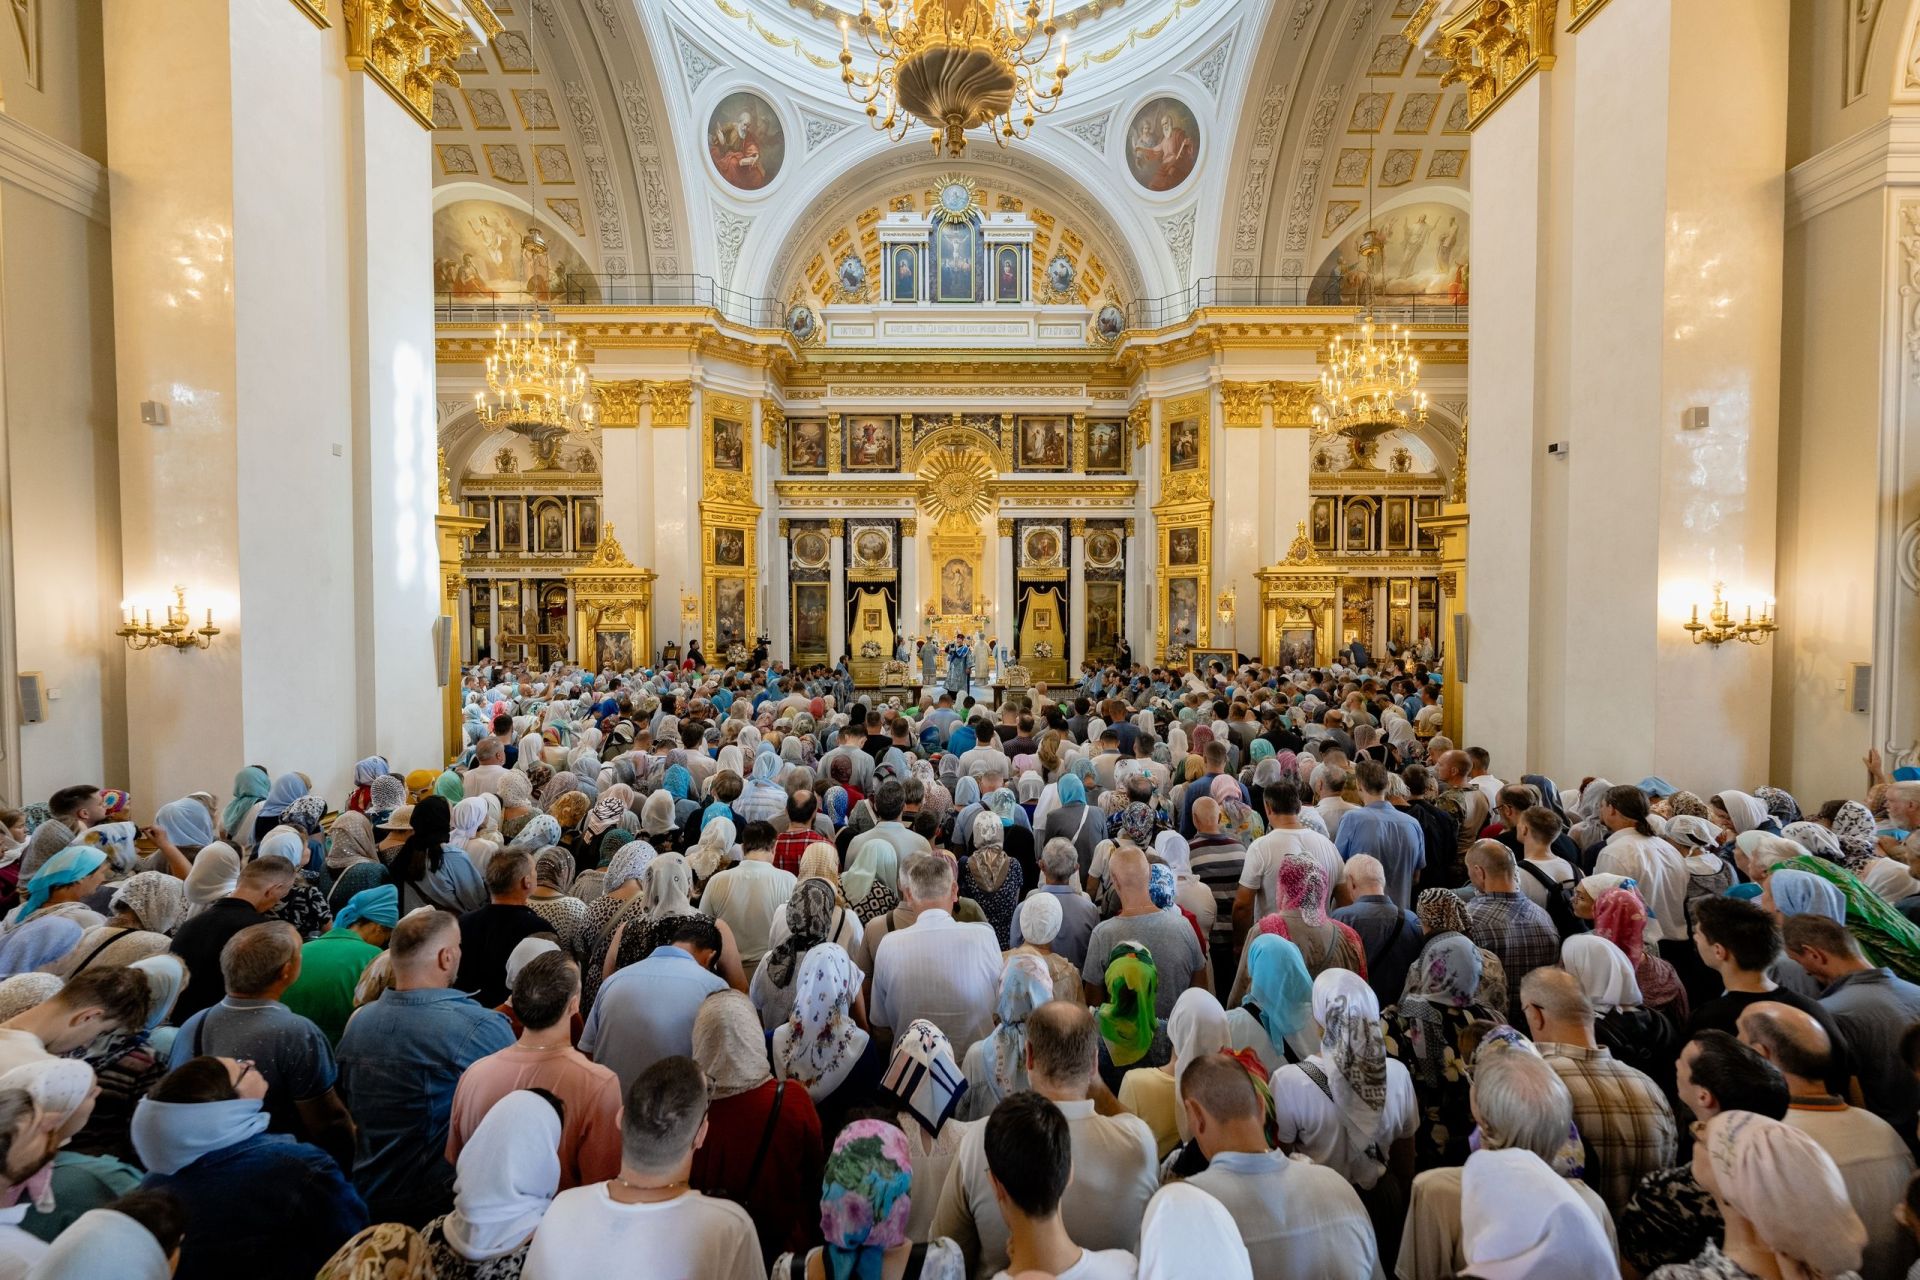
(63, 479)
(67, 104)
(1829, 432)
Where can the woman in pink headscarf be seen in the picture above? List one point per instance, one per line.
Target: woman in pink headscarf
(1237, 818)
(1302, 919)
(1621, 918)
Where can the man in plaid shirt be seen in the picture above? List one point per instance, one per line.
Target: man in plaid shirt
(790, 844)
(1625, 1123)
(1505, 921)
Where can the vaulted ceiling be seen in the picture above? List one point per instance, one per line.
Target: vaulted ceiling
(596, 114)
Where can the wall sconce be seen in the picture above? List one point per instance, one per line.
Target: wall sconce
(177, 632)
(1226, 605)
(1720, 626)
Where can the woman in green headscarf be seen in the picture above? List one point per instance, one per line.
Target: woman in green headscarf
(1887, 937)
(449, 787)
(1133, 1036)
(250, 787)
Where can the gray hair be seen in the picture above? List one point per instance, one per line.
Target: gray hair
(929, 878)
(1397, 788)
(1364, 868)
(663, 1113)
(254, 957)
(1520, 1102)
(1328, 776)
(1060, 860)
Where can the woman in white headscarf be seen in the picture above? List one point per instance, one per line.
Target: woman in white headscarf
(714, 853)
(1519, 1220)
(105, 1242)
(1349, 1106)
(1040, 918)
(1742, 813)
(508, 1173)
(996, 1064)
(821, 1046)
(215, 875)
(1185, 1233)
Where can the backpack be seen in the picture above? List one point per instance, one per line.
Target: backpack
(1559, 907)
(1442, 832)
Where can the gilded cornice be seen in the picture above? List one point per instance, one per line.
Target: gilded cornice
(773, 423)
(532, 482)
(1580, 11)
(1494, 46)
(408, 47)
(1240, 403)
(316, 11)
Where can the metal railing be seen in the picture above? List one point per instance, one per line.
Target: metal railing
(1289, 291)
(478, 304)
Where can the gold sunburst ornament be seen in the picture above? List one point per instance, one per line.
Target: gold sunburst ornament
(956, 488)
(955, 65)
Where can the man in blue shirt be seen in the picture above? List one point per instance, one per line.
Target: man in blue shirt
(1391, 934)
(400, 1061)
(645, 1012)
(1378, 828)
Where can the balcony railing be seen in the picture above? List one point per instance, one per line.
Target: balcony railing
(1289, 291)
(480, 305)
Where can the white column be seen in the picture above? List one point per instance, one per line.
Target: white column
(910, 615)
(1005, 607)
(837, 591)
(1077, 598)
(780, 629)
(1133, 605)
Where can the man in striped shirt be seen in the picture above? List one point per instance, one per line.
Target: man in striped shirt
(1216, 861)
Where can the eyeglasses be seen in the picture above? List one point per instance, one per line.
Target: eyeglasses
(246, 1066)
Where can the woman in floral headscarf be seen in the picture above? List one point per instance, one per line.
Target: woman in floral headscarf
(1853, 826)
(1237, 818)
(820, 1046)
(1424, 1031)
(996, 1064)
(866, 1210)
(1441, 912)
(990, 877)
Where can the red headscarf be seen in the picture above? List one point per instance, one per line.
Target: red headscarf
(1621, 918)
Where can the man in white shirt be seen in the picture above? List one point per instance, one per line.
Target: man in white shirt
(1329, 780)
(648, 1223)
(750, 894)
(936, 968)
(1478, 777)
(1029, 1147)
(95, 1003)
(489, 766)
(1632, 850)
(1259, 874)
(1299, 1220)
(1115, 1159)
(1874, 1163)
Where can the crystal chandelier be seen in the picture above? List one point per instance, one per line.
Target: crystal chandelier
(955, 65)
(534, 384)
(1371, 383)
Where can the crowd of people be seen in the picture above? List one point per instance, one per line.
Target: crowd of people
(735, 973)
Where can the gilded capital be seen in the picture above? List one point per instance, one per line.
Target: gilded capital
(1293, 403)
(773, 422)
(618, 403)
(836, 528)
(408, 47)
(1494, 45)
(1006, 528)
(909, 528)
(1077, 528)
(672, 403)
(1129, 528)
(1240, 403)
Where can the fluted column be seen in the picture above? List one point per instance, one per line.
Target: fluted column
(837, 590)
(909, 621)
(1077, 598)
(1005, 607)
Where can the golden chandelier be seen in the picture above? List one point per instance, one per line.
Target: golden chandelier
(955, 65)
(1371, 384)
(533, 382)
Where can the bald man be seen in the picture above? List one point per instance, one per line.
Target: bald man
(1623, 1117)
(1873, 1161)
(1166, 934)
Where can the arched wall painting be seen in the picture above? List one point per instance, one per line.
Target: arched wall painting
(746, 140)
(1163, 144)
(480, 254)
(1425, 256)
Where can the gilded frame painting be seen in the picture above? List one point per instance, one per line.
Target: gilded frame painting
(1042, 444)
(873, 442)
(1106, 447)
(807, 446)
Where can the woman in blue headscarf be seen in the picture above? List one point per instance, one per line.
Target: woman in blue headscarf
(187, 823)
(678, 782)
(287, 788)
(961, 740)
(250, 787)
(61, 886)
(1074, 819)
(1275, 1018)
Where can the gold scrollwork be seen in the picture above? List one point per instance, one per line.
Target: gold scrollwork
(1079, 436)
(1140, 425)
(1293, 403)
(1006, 528)
(1494, 45)
(1580, 11)
(835, 426)
(909, 527)
(773, 423)
(1077, 528)
(407, 46)
(836, 528)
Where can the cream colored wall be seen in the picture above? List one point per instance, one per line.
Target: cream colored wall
(1829, 436)
(63, 516)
